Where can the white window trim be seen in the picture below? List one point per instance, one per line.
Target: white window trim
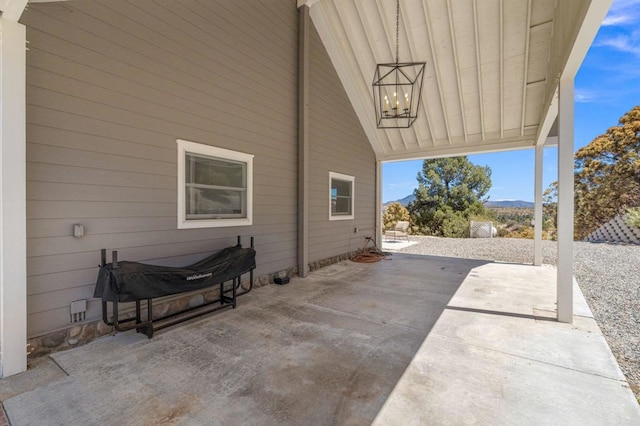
(185, 147)
(340, 176)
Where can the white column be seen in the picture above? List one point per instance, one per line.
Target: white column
(565, 202)
(537, 212)
(378, 227)
(13, 235)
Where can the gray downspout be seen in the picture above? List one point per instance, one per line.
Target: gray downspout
(303, 141)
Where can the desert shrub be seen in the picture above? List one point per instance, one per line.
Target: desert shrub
(526, 233)
(502, 232)
(395, 213)
(633, 217)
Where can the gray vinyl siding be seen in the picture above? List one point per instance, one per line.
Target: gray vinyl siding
(111, 85)
(337, 144)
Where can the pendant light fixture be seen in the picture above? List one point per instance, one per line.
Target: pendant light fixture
(397, 89)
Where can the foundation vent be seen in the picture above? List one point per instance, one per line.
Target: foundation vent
(78, 310)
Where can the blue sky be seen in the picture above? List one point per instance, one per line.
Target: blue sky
(607, 86)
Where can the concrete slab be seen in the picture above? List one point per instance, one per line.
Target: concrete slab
(394, 245)
(412, 340)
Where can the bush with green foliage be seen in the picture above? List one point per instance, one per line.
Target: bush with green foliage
(395, 213)
(633, 217)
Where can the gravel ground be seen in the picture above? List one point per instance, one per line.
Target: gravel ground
(608, 275)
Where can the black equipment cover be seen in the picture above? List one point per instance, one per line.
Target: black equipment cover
(131, 281)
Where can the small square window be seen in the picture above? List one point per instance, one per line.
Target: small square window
(341, 196)
(214, 186)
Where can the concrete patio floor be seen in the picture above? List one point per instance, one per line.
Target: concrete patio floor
(416, 340)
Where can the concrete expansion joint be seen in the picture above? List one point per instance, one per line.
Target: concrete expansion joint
(57, 364)
(538, 361)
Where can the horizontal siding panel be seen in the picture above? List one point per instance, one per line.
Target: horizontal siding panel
(189, 64)
(57, 319)
(62, 138)
(37, 209)
(171, 110)
(58, 173)
(46, 228)
(61, 245)
(72, 157)
(57, 281)
(58, 299)
(81, 192)
(267, 242)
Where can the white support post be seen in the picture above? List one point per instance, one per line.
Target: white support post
(565, 202)
(378, 227)
(537, 213)
(13, 235)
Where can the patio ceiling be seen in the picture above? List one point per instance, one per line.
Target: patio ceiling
(493, 66)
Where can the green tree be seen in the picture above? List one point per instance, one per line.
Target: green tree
(395, 213)
(450, 190)
(607, 175)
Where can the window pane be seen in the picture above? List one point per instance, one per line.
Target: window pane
(215, 172)
(341, 197)
(342, 187)
(343, 205)
(205, 203)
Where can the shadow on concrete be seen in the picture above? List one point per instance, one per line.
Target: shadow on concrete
(328, 349)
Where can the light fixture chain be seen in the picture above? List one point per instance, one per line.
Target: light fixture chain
(397, 28)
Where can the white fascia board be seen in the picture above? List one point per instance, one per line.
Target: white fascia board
(550, 116)
(308, 3)
(455, 151)
(12, 9)
(590, 25)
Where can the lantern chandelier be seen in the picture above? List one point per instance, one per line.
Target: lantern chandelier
(397, 89)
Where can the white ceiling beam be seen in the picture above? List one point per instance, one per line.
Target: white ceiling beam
(414, 57)
(478, 65)
(526, 69)
(506, 144)
(436, 71)
(385, 26)
(501, 69)
(374, 54)
(452, 34)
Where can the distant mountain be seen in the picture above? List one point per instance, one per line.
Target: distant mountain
(404, 201)
(514, 204)
(517, 204)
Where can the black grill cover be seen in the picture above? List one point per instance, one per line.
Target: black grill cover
(133, 281)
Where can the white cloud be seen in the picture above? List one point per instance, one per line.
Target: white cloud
(400, 185)
(623, 12)
(584, 96)
(625, 43)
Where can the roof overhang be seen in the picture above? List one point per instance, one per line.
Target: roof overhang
(493, 67)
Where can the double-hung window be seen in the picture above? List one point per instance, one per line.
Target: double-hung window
(215, 186)
(341, 196)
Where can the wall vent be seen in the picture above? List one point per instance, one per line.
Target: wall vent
(78, 310)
